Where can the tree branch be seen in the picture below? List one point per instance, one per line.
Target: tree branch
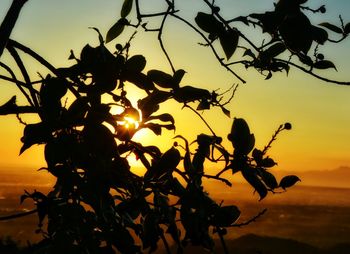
(211, 46)
(18, 110)
(9, 22)
(250, 220)
(345, 83)
(18, 83)
(24, 72)
(161, 41)
(18, 215)
(42, 61)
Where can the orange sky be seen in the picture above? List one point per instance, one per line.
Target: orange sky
(319, 112)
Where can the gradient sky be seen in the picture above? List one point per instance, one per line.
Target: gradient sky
(319, 112)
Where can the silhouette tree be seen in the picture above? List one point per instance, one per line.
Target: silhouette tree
(98, 205)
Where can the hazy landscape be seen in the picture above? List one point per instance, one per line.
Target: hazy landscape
(307, 219)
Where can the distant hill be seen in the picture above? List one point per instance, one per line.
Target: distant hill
(255, 244)
(339, 177)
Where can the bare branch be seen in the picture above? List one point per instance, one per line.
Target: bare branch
(161, 41)
(345, 83)
(227, 182)
(18, 110)
(250, 220)
(24, 72)
(18, 215)
(9, 22)
(42, 61)
(211, 46)
(18, 83)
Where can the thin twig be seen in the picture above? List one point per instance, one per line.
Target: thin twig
(18, 215)
(211, 46)
(227, 182)
(250, 220)
(18, 83)
(222, 240)
(161, 41)
(227, 25)
(202, 118)
(345, 83)
(166, 245)
(273, 138)
(24, 72)
(42, 61)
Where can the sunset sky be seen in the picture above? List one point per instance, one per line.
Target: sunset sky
(318, 111)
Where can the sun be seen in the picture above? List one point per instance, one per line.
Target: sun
(130, 122)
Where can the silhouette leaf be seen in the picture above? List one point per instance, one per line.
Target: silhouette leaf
(225, 216)
(347, 28)
(126, 8)
(78, 110)
(269, 75)
(208, 23)
(226, 112)
(100, 37)
(116, 30)
(178, 75)
(151, 231)
(203, 105)
(268, 162)
(319, 35)
(161, 78)
(268, 178)
(23, 198)
(150, 104)
(257, 155)
(324, 64)
(156, 128)
(169, 160)
(10, 104)
(229, 41)
(34, 134)
(240, 136)
(190, 93)
(139, 79)
(187, 158)
(248, 52)
(332, 27)
(136, 63)
(274, 50)
(296, 32)
(305, 59)
(163, 117)
(250, 175)
(288, 181)
(241, 19)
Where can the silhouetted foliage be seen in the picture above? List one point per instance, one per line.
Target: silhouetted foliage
(98, 205)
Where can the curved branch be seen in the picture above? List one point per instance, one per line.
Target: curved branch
(161, 41)
(18, 110)
(41, 60)
(344, 83)
(9, 22)
(227, 25)
(202, 118)
(211, 46)
(24, 72)
(18, 215)
(18, 83)
(250, 220)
